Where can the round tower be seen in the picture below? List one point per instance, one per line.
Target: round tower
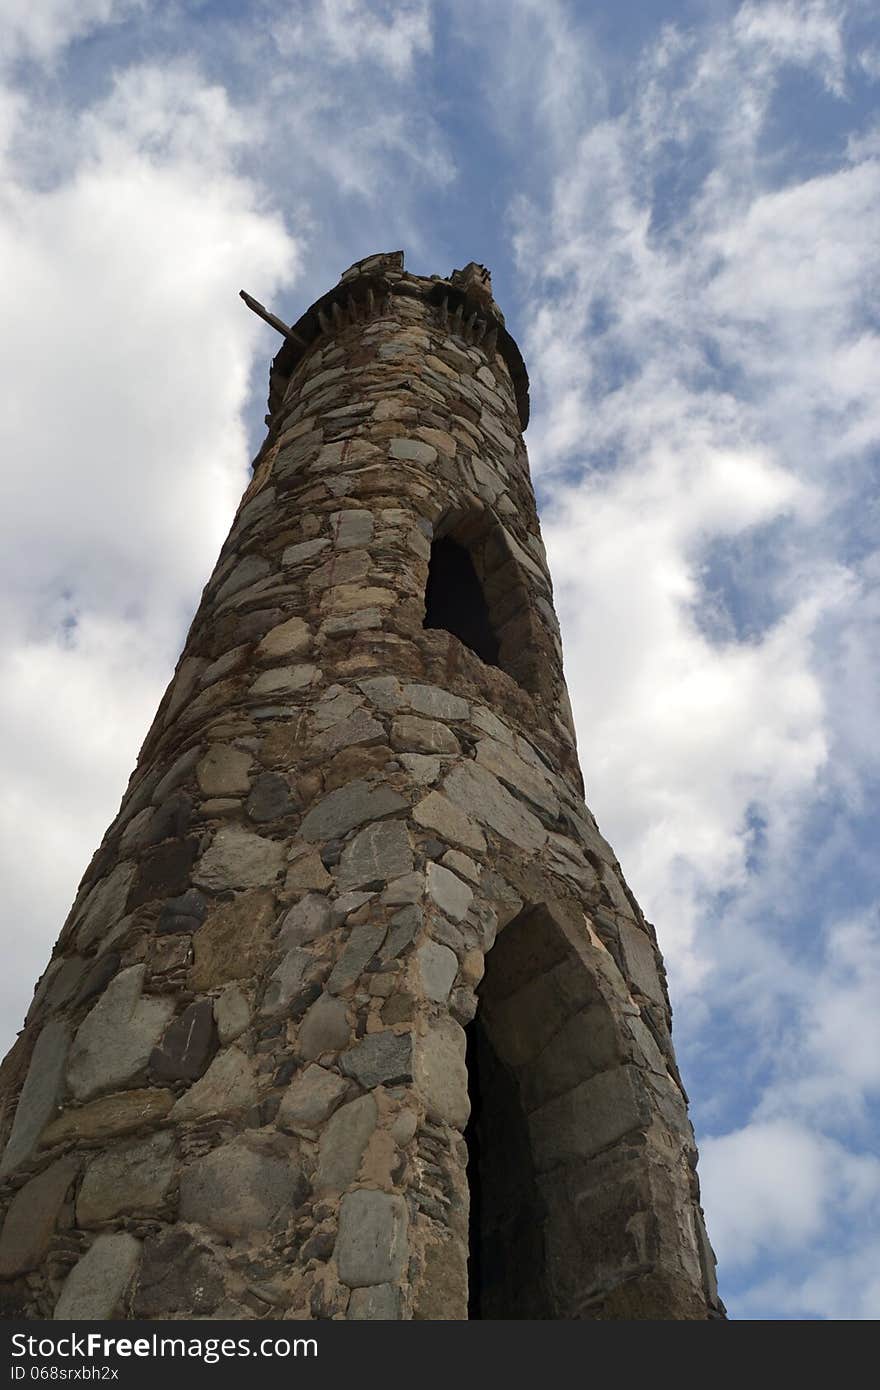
(354, 1014)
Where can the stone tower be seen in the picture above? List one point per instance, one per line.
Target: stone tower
(354, 1014)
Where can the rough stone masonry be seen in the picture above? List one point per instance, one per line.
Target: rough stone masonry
(354, 1015)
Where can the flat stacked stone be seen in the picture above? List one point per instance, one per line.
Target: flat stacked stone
(241, 1090)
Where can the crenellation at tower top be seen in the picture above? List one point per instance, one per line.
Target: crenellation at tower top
(464, 299)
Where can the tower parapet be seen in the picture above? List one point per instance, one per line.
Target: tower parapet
(354, 1013)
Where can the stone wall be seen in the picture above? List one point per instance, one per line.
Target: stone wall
(242, 1087)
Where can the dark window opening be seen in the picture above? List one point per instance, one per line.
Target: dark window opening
(506, 1257)
(455, 602)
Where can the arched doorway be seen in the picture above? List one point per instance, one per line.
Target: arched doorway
(558, 1190)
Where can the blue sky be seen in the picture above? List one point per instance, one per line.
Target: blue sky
(680, 204)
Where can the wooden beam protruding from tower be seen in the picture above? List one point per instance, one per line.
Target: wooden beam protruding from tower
(272, 319)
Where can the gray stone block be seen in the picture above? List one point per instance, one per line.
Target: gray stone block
(521, 777)
(235, 1190)
(39, 1096)
(270, 798)
(440, 1072)
(430, 700)
(114, 1042)
(228, 1086)
(104, 906)
(347, 807)
(224, 771)
(306, 921)
(325, 1028)
(132, 1179)
(377, 853)
(641, 961)
(188, 1045)
(476, 790)
(405, 925)
(343, 1144)
(311, 1098)
(305, 550)
(32, 1217)
(436, 812)
(232, 1013)
(381, 1059)
(358, 728)
(410, 734)
(447, 891)
(284, 680)
(352, 529)
(371, 1247)
(291, 638)
(286, 981)
(379, 1303)
(438, 967)
(239, 859)
(361, 946)
(94, 1288)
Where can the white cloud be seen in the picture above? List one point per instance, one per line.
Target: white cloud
(680, 735)
(844, 1287)
(41, 29)
(127, 359)
(704, 365)
(869, 62)
(830, 1072)
(707, 379)
(774, 1186)
(354, 32)
(807, 33)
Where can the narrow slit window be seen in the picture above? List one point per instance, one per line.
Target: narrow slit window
(455, 602)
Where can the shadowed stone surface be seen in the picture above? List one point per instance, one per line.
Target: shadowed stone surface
(363, 944)
(177, 1272)
(187, 1046)
(32, 1217)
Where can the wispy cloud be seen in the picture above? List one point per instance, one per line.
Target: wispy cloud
(353, 32)
(705, 362)
(41, 29)
(127, 364)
